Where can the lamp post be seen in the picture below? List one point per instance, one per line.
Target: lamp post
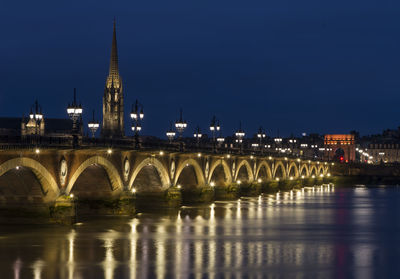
(239, 137)
(197, 135)
(214, 127)
(137, 116)
(75, 111)
(170, 134)
(37, 116)
(220, 139)
(93, 125)
(180, 126)
(278, 142)
(261, 135)
(292, 142)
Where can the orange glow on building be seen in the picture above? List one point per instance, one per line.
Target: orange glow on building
(340, 147)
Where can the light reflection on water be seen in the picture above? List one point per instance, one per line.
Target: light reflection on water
(318, 232)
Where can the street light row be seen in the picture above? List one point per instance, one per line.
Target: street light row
(75, 111)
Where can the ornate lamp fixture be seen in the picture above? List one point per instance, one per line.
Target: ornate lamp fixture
(36, 116)
(239, 137)
(261, 135)
(197, 135)
(170, 134)
(180, 125)
(93, 126)
(137, 116)
(214, 127)
(75, 112)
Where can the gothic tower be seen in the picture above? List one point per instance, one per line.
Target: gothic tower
(113, 99)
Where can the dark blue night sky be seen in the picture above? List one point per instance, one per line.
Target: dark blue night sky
(297, 66)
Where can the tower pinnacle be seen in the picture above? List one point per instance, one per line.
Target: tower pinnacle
(113, 98)
(113, 74)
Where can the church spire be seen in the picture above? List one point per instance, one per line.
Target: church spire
(113, 74)
(113, 98)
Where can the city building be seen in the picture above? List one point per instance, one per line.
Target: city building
(340, 147)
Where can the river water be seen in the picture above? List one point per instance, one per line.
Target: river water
(319, 232)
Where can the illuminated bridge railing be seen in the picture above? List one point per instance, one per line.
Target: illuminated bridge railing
(147, 144)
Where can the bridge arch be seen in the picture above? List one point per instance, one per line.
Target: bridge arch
(245, 164)
(279, 166)
(321, 170)
(112, 172)
(226, 169)
(267, 168)
(159, 167)
(47, 181)
(293, 167)
(197, 170)
(313, 170)
(304, 170)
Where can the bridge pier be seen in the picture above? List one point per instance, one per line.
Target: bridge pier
(205, 194)
(270, 186)
(249, 189)
(123, 204)
(170, 198)
(227, 192)
(64, 210)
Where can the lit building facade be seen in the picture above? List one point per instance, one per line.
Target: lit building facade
(384, 152)
(340, 147)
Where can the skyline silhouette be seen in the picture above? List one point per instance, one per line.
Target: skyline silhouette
(287, 66)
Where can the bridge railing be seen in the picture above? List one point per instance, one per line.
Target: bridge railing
(147, 144)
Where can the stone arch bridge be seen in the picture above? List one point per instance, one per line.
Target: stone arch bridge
(101, 172)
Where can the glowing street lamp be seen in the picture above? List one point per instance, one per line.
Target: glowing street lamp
(197, 135)
(93, 126)
(214, 127)
(170, 134)
(37, 116)
(261, 135)
(75, 112)
(180, 125)
(239, 137)
(220, 139)
(137, 116)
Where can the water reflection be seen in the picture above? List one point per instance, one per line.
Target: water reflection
(312, 232)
